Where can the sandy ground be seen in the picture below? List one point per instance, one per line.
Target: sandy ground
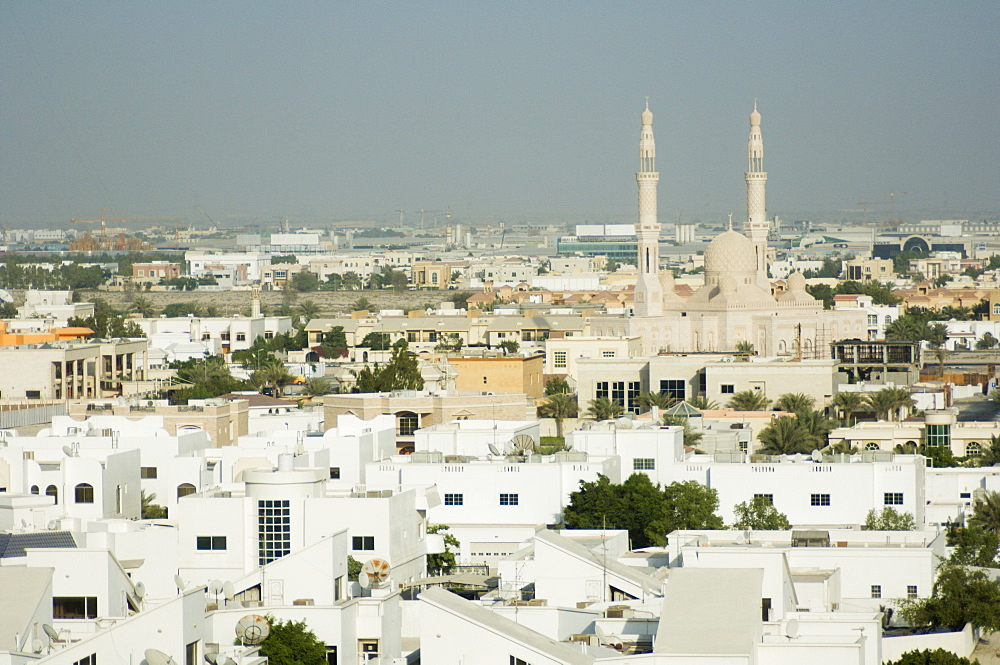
(987, 652)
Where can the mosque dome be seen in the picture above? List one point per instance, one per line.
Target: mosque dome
(730, 252)
(796, 282)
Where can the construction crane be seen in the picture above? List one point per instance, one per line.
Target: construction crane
(422, 212)
(104, 220)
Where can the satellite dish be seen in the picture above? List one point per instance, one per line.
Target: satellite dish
(229, 661)
(213, 658)
(493, 449)
(37, 646)
(364, 580)
(378, 572)
(24, 524)
(179, 581)
(69, 451)
(252, 629)
(140, 590)
(215, 587)
(623, 423)
(792, 628)
(157, 657)
(50, 631)
(228, 590)
(817, 456)
(522, 444)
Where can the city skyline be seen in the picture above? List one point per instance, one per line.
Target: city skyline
(521, 112)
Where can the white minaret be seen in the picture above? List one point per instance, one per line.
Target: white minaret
(648, 291)
(757, 226)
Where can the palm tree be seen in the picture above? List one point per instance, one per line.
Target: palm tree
(937, 334)
(362, 303)
(848, 404)
(559, 406)
(794, 402)
(273, 374)
(351, 281)
(986, 513)
(888, 400)
(816, 424)
(316, 386)
(746, 348)
(702, 403)
(309, 310)
(991, 452)
(603, 408)
(143, 306)
(843, 447)
(749, 400)
(660, 400)
(786, 436)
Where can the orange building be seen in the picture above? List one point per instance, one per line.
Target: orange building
(502, 374)
(53, 335)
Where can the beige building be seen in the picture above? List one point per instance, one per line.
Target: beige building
(938, 428)
(224, 420)
(414, 409)
(563, 354)
(430, 274)
(501, 374)
(866, 270)
(71, 369)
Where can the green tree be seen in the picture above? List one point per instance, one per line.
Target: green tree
(986, 513)
(848, 404)
(509, 346)
(888, 520)
(305, 281)
(691, 435)
(438, 564)
(991, 452)
(402, 372)
(794, 402)
(760, 514)
(660, 400)
(143, 307)
(557, 385)
(559, 406)
(816, 424)
(334, 343)
(702, 403)
(353, 568)
(689, 505)
(150, 510)
(309, 310)
(460, 299)
(287, 258)
(888, 401)
(937, 334)
(959, 596)
(603, 408)
(746, 348)
(749, 400)
(273, 375)
(377, 341)
(450, 342)
(987, 341)
(316, 386)
(787, 436)
(928, 657)
(292, 643)
(362, 304)
(974, 546)
(351, 281)
(179, 309)
(206, 377)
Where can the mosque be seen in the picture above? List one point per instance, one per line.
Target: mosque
(737, 302)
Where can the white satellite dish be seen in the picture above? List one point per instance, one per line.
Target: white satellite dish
(215, 587)
(792, 628)
(69, 451)
(252, 629)
(364, 580)
(623, 423)
(213, 658)
(521, 444)
(157, 657)
(377, 571)
(37, 646)
(817, 456)
(228, 590)
(51, 632)
(179, 581)
(140, 590)
(493, 449)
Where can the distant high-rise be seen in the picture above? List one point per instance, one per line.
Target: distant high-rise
(648, 291)
(756, 226)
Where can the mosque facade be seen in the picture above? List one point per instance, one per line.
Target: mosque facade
(737, 302)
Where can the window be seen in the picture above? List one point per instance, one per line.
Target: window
(607, 354)
(274, 530)
(768, 497)
(52, 491)
(727, 389)
(363, 543)
(147, 472)
(454, 499)
(621, 392)
(241, 337)
(407, 423)
(559, 359)
(871, 445)
(210, 543)
(34, 489)
(674, 388)
(33, 394)
(87, 660)
(893, 498)
(74, 607)
(508, 499)
(334, 473)
(84, 493)
(643, 464)
(876, 591)
(872, 320)
(911, 591)
(937, 435)
(184, 489)
(819, 500)
(965, 495)
(973, 449)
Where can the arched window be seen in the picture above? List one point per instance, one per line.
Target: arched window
(973, 449)
(184, 489)
(34, 489)
(52, 491)
(407, 423)
(871, 445)
(84, 493)
(781, 346)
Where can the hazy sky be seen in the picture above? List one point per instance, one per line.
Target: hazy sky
(509, 110)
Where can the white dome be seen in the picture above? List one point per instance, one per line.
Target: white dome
(730, 252)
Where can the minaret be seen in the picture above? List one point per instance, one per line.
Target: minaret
(757, 226)
(648, 291)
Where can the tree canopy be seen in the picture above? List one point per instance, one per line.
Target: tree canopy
(647, 511)
(759, 513)
(402, 372)
(959, 596)
(928, 657)
(888, 520)
(292, 643)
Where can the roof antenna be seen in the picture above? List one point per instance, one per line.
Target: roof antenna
(730, 221)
